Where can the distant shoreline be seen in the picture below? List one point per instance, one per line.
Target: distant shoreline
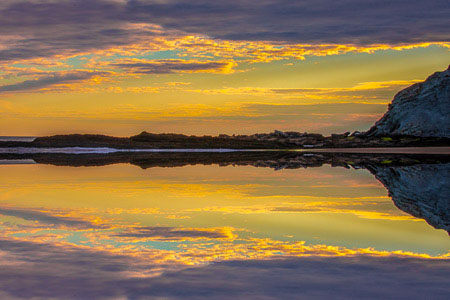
(87, 150)
(274, 140)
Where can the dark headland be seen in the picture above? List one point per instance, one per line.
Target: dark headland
(417, 117)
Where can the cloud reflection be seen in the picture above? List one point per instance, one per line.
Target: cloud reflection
(171, 233)
(48, 271)
(49, 218)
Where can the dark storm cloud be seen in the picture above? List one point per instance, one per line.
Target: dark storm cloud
(47, 271)
(47, 218)
(313, 21)
(34, 29)
(47, 28)
(170, 66)
(43, 28)
(171, 233)
(49, 80)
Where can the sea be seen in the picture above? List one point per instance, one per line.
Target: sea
(17, 138)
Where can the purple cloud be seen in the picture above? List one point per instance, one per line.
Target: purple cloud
(48, 218)
(169, 66)
(48, 271)
(172, 233)
(32, 29)
(50, 80)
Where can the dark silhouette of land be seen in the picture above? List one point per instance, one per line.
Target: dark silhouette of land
(272, 159)
(275, 140)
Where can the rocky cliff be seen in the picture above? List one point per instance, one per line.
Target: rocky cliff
(422, 109)
(421, 190)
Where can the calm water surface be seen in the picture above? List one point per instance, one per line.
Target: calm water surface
(103, 231)
(17, 138)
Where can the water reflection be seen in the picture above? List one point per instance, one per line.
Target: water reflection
(421, 190)
(137, 229)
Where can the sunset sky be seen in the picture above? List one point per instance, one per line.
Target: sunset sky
(119, 67)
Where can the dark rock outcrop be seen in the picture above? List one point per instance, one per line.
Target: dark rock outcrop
(422, 110)
(421, 190)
